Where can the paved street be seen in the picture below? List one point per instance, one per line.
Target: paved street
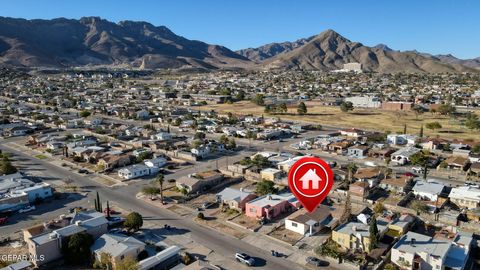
(125, 196)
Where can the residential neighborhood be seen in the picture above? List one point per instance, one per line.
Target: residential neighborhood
(150, 170)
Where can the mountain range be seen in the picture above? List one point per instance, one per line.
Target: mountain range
(92, 41)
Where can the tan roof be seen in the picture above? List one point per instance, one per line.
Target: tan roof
(366, 173)
(302, 216)
(398, 181)
(457, 160)
(475, 167)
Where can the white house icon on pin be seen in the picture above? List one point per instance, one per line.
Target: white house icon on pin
(310, 177)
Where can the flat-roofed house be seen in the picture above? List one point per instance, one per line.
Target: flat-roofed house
(465, 197)
(356, 235)
(429, 190)
(49, 244)
(418, 251)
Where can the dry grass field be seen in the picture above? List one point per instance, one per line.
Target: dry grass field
(368, 119)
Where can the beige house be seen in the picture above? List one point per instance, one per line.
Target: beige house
(199, 182)
(356, 235)
(465, 197)
(271, 174)
(118, 247)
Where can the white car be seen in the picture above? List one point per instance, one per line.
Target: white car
(27, 209)
(244, 258)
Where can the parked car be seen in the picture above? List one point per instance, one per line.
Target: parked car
(85, 171)
(244, 258)
(417, 170)
(26, 209)
(3, 221)
(313, 261)
(112, 212)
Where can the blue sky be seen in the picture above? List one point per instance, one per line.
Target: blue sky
(434, 26)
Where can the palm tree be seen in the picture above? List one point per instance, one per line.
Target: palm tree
(160, 179)
(351, 168)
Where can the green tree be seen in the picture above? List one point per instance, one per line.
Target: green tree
(378, 208)
(417, 110)
(128, 263)
(351, 169)
(144, 155)
(231, 145)
(78, 248)
(240, 95)
(472, 121)
(265, 187)
(98, 203)
(420, 158)
(374, 234)
(160, 180)
(223, 139)
(446, 109)
(150, 191)
(104, 262)
(419, 206)
(476, 149)
(6, 167)
(433, 125)
(85, 114)
(346, 106)
(259, 99)
(302, 108)
(133, 221)
(199, 136)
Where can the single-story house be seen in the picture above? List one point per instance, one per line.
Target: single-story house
(303, 222)
(199, 182)
(235, 198)
(272, 205)
(118, 247)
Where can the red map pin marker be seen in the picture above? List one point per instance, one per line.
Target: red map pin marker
(310, 179)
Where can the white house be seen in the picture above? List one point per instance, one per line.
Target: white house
(201, 151)
(305, 223)
(418, 251)
(402, 156)
(134, 171)
(401, 139)
(155, 162)
(428, 190)
(161, 136)
(36, 192)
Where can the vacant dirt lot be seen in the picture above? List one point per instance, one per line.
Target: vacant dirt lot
(370, 119)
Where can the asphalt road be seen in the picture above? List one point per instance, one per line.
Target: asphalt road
(223, 245)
